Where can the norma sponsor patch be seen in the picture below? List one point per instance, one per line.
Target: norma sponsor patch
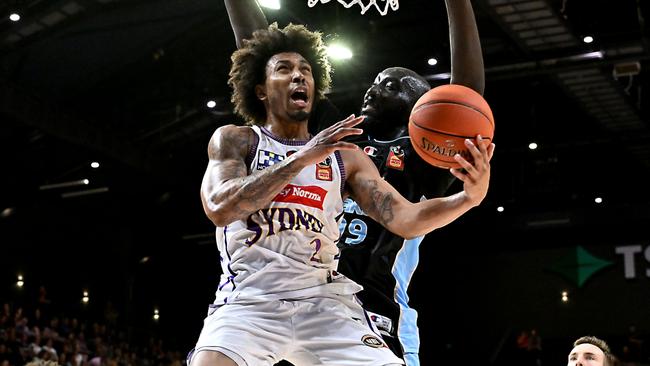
(372, 341)
(267, 158)
(312, 196)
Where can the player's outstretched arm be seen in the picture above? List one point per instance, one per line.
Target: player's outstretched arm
(246, 17)
(466, 56)
(385, 205)
(228, 193)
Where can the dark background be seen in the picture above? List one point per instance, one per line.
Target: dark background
(125, 83)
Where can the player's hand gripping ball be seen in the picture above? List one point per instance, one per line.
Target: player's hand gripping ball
(443, 118)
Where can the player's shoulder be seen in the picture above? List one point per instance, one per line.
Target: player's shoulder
(232, 138)
(232, 132)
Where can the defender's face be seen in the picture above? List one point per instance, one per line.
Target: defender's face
(288, 91)
(389, 98)
(586, 355)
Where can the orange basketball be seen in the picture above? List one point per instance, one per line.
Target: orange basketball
(443, 118)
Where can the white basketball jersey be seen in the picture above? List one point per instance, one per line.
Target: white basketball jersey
(287, 249)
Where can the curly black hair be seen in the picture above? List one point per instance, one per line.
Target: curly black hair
(249, 65)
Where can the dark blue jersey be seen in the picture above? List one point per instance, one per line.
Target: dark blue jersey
(371, 255)
(374, 257)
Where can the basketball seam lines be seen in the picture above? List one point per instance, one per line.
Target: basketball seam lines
(453, 102)
(448, 134)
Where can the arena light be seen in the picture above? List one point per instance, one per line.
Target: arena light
(270, 4)
(85, 299)
(7, 212)
(500, 209)
(588, 39)
(532, 146)
(73, 183)
(440, 76)
(598, 200)
(591, 55)
(156, 314)
(94, 165)
(565, 296)
(14, 17)
(211, 104)
(432, 61)
(339, 51)
(21, 281)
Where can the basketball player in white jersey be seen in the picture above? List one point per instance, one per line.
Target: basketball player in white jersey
(379, 260)
(275, 193)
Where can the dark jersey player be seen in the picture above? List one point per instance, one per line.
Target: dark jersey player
(370, 255)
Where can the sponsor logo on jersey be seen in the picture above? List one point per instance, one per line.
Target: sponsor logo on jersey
(267, 158)
(395, 158)
(370, 150)
(372, 341)
(324, 170)
(381, 322)
(312, 196)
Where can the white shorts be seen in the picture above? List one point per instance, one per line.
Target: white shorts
(316, 331)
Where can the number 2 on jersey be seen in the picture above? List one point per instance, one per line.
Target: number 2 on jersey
(317, 245)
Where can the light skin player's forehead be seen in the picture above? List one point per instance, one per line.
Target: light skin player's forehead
(585, 349)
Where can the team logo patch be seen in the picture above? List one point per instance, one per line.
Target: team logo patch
(395, 158)
(267, 158)
(372, 341)
(312, 196)
(370, 150)
(324, 170)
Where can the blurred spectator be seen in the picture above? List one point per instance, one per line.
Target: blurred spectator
(535, 348)
(34, 341)
(110, 314)
(633, 347)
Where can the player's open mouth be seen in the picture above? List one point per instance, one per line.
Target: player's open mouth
(299, 98)
(367, 107)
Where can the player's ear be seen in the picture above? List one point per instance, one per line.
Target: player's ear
(260, 92)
